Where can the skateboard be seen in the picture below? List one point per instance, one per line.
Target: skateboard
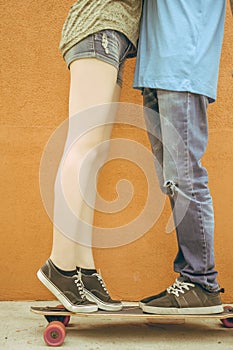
(58, 318)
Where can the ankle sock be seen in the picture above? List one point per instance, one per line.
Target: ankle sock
(66, 273)
(87, 271)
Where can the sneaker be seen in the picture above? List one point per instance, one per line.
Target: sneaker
(96, 291)
(183, 298)
(68, 290)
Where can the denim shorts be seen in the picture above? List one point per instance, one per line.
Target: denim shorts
(106, 45)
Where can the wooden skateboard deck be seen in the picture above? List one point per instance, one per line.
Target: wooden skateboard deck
(58, 318)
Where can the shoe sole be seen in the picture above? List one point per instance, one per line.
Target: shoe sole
(62, 298)
(140, 304)
(102, 305)
(206, 310)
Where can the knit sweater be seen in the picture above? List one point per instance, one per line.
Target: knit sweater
(86, 17)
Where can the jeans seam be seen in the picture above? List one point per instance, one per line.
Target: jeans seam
(187, 161)
(200, 216)
(93, 43)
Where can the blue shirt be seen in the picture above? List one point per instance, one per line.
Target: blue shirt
(180, 45)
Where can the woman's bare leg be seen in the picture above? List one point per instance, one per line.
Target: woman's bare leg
(93, 82)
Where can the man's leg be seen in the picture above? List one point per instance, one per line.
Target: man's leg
(185, 134)
(183, 124)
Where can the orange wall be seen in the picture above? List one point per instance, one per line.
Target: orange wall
(34, 84)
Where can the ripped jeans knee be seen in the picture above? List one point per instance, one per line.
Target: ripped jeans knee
(170, 187)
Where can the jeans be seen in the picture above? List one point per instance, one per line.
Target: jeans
(178, 132)
(107, 45)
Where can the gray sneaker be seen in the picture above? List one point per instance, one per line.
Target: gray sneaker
(96, 291)
(68, 290)
(183, 298)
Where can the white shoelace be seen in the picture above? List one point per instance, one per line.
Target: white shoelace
(178, 287)
(79, 283)
(100, 279)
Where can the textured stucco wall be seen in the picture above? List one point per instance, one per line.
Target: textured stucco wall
(34, 85)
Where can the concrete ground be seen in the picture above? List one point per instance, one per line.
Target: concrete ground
(22, 330)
